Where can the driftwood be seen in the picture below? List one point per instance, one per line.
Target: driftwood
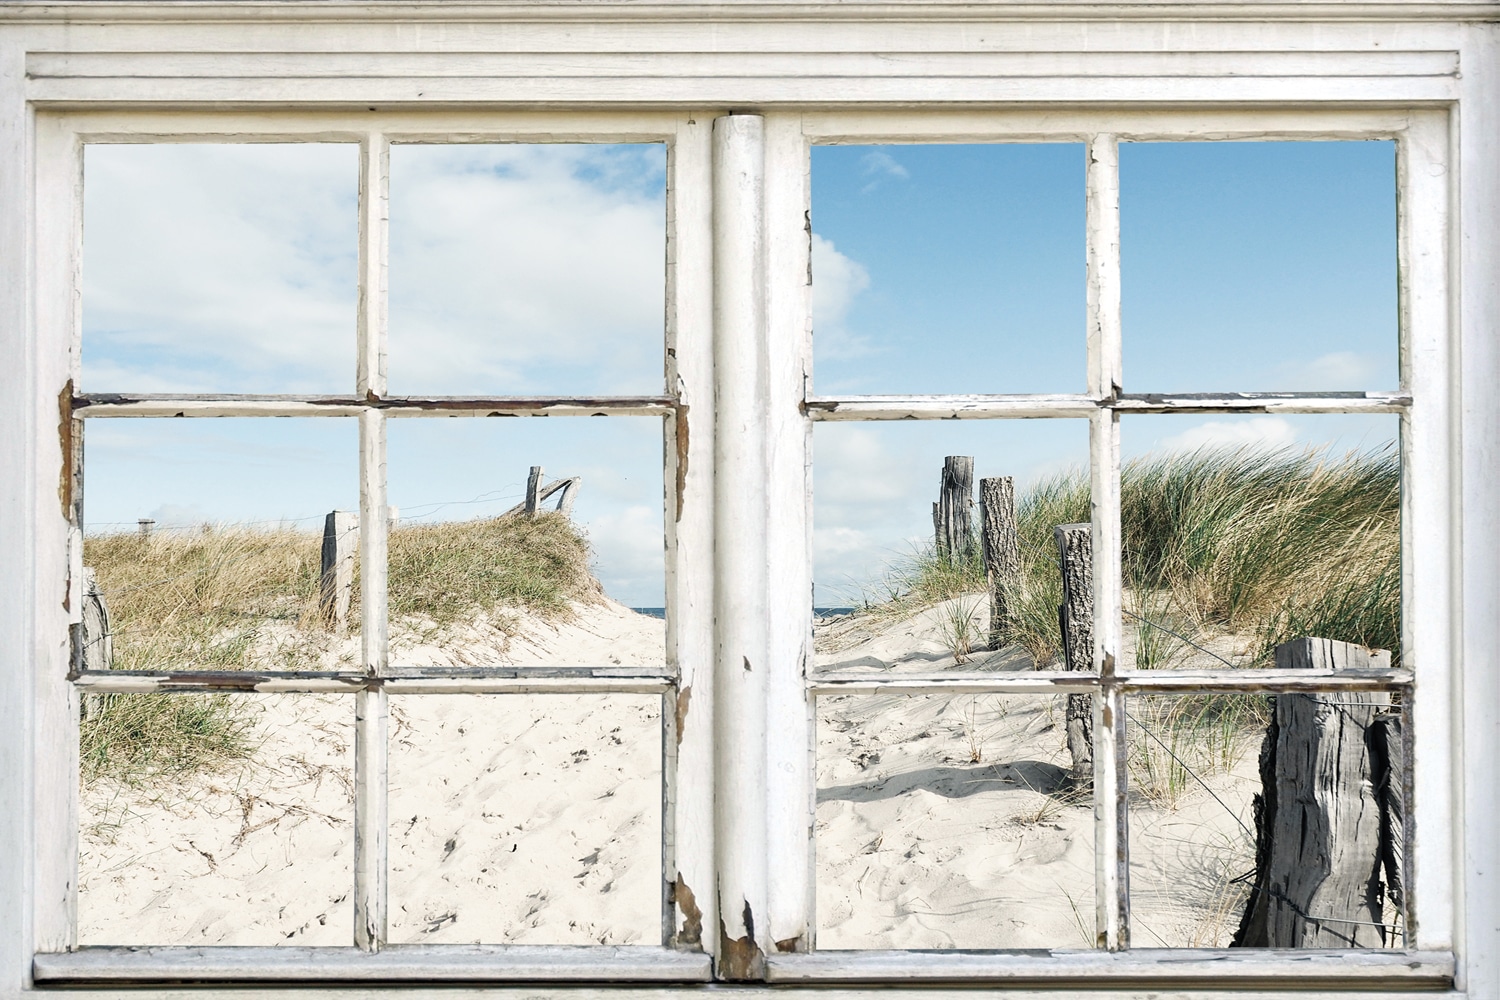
(953, 527)
(336, 580)
(1330, 820)
(1075, 559)
(1001, 548)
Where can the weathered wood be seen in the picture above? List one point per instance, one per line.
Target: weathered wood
(1388, 751)
(1321, 836)
(953, 523)
(978, 407)
(533, 486)
(144, 527)
(97, 644)
(569, 487)
(1075, 560)
(1001, 548)
(340, 544)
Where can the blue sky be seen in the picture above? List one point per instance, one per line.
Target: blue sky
(526, 269)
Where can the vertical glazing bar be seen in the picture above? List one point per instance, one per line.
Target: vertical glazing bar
(790, 785)
(691, 910)
(374, 246)
(371, 707)
(740, 570)
(1111, 845)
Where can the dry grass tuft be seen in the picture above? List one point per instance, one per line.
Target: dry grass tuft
(236, 598)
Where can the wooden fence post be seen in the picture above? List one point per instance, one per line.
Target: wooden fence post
(569, 494)
(340, 543)
(955, 531)
(98, 652)
(533, 488)
(1075, 617)
(1001, 548)
(143, 527)
(1330, 819)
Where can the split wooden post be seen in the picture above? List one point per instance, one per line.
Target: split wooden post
(569, 494)
(1330, 818)
(1001, 548)
(97, 652)
(533, 490)
(340, 543)
(955, 531)
(1075, 616)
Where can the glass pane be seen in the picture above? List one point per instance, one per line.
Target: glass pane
(951, 822)
(474, 581)
(204, 544)
(528, 819)
(1259, 266)
(895, 590)
(219, 268)
(527, 269)
(1267, 821)
(216, 820)
(948, 268)
(1244, 532)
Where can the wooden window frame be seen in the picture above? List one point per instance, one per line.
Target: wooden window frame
(737, 420)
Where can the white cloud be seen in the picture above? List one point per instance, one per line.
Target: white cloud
(627, 544)
(527, 268)
(220, 267)
(1332, 372)
(879, 165)
(837, 281)
(1246, 432)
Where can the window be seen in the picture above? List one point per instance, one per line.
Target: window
(752, 398)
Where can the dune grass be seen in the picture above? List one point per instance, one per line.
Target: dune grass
(1271, 544)
(238, 598)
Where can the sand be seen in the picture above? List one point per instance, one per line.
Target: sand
(942, 821)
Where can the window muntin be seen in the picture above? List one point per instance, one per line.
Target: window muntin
(789, 967)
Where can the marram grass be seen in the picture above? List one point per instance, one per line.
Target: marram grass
(237, 598)
(1249, 542)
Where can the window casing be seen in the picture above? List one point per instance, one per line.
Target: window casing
(738, 795)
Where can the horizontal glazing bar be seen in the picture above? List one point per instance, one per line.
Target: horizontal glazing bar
(120, 405)
(1067, 682)
(978, 407)
(398, 680)
(455, 963)
(1169, 682)
(1211, 968)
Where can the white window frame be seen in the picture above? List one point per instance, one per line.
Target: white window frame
(739, 801)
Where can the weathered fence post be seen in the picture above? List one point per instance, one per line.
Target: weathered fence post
(340, 543)
(533, 490)
(1075, 617)
(569, 494)
(98, 652)
(143, 527)
(955, 531)
(1330, 817)
(1001, 548)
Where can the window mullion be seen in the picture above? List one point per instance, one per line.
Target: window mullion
(371, 704)
(1111, 845)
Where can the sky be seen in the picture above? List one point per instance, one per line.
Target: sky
(526, 269)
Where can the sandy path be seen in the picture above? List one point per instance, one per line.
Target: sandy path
(513, 818)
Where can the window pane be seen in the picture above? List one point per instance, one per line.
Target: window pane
(1265, 266)
(204, 541)
(1241, 533)
(474, 581)
(948, 268)
(892, 592)
(951, 822)
(527, 269)
(220, 268)
(216, 820)
(1267, 821)
(528, 819)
